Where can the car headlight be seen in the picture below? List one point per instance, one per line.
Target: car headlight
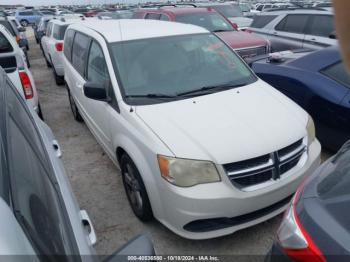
(311, 133)
(186, 172)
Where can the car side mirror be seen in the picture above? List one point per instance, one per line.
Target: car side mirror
(333, 35)
(21, 29)
(139, 246)
(234, 25)
(96, 91)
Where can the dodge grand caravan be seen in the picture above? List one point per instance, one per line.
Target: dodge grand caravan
(204, 146)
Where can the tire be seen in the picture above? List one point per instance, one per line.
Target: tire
(24, 23)
(27, 47)
(40, 113)
(74, 108)
(135, 189)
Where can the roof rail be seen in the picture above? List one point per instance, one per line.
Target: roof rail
(293, 8)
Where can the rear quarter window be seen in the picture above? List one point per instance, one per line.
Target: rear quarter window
(262, 20)
(59, 31)
(5, 45)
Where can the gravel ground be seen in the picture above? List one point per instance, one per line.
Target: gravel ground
(98, 187)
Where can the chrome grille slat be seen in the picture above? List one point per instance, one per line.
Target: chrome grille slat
(267, 167)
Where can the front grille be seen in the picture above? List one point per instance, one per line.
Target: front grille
(252, 52)
(265, 168)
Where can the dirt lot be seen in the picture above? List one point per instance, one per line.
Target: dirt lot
(98, 186)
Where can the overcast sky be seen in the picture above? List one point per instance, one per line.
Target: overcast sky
(54, 2)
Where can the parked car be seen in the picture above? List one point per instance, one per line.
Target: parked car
(318, 82)
(26, 17)
(203, 145)
(40, 28)
(39, 214)
(233, 12)
(246, 44)
(52, 45)
(15, 32)
(13, 60)
(315, 227)
(23, 41)
(295, 29)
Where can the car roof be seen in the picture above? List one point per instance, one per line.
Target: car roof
(132, 29)
(297, 11)
(180, 10)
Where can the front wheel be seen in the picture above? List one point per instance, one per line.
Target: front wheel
(24, 23)
(135, 189)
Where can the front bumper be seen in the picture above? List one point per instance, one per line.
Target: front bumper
(183, 206)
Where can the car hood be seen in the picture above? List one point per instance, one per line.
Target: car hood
(240, 39)
(241, 21)
(227, 126)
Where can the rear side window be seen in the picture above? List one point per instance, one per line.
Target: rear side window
(59, 31)
(48, 29)
(293, 24)
(262, 20)
(79, 52)
(321, 25)
(5, 45)
(164, 18)
(338, 73)
(68, 44)
(97, 71)
(152, 16)
(8, 26)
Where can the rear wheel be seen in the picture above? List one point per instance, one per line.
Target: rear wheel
(40, 113)
(135, 189)
(74, 108)
(59, 79)
(24, 23)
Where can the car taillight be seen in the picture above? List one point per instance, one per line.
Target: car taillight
(293, 237)
(18, 39)
(26, 84)
(59, 47)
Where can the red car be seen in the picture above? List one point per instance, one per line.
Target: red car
(246, 44)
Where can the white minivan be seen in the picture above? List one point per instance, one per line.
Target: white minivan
(204, 146)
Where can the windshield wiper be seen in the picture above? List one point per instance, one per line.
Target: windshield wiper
(210, 89)
(161, 96)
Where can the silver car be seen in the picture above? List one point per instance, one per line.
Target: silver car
(38, 211)
(296, 29)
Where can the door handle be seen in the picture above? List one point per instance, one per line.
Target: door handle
(88, 226)
(313, 39)
(57, 148)
(275, 33)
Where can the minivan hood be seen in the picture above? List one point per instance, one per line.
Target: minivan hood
(242, 22)
(240, 39)
(227, 126)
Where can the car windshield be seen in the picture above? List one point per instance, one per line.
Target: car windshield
(174, 65)
(228, 10)
(337, 183)
(210, 21)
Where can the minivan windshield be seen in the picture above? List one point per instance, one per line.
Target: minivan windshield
(213, 22)
(169, 67)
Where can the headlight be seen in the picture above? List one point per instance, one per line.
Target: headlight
(186, 172)
(311, 133)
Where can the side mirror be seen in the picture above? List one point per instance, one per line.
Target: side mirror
(333, 35)
(234, 25)
(21, 29)
(96, 91)
(139, 246)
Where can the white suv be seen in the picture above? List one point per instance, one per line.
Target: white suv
(52, 45)
(13, 61)
(203, 144)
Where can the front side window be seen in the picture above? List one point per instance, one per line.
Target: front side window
(5, 45)
(175, 65)
(293, 24)
(213, 22)
(59, 31)
(321, 25)
(338, 73)
(80, 46)
(262, 20)
(36, 202)
(97, 71)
